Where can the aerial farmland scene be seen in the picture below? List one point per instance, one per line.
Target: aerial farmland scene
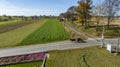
(59, 33)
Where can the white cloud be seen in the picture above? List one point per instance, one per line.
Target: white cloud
(10, 9)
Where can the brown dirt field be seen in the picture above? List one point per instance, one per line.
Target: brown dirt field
(4, 29)
(116, 21)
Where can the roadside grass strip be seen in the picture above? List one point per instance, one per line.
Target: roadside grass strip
(30, 64)
(51, 31)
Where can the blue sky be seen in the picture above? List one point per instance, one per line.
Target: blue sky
(37, 7)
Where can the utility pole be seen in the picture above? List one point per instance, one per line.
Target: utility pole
(102, 45)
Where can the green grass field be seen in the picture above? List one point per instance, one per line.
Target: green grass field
(11, 22)
(51, 31)
(31, 64)
(42, 31)
(84, 57)
(14, 37)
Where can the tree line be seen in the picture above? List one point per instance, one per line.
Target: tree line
(86, 10)
(7, 18)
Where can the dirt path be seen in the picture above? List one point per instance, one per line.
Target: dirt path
(80, 32)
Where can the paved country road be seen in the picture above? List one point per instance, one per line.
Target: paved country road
(62, 45)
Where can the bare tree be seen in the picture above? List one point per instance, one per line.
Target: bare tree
(97, 12)
(72, 9)
(70, 14)
(111, 7)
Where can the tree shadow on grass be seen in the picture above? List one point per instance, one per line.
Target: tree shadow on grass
(83, 61)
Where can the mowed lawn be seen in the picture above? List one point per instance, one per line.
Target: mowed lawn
(31, 64)
(14, 37)
(51, 31)
(84, 57)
